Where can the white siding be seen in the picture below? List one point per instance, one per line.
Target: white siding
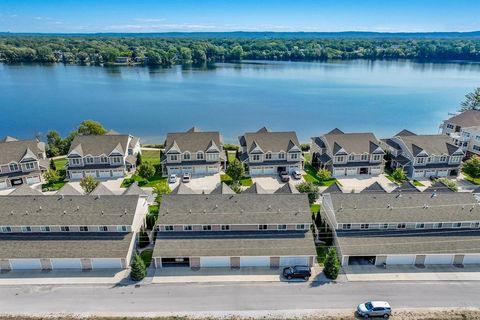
(3, 184)
(439, 259)
(401, 259)
(293, 261)
(32, 180)
(112, 263)
(254, 261)
(25, 264)
(212, 262)
(66, 263)
(471, 259)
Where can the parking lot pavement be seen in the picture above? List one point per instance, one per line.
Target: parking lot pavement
(200, 183)
(358, 183)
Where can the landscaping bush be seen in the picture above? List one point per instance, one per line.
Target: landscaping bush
(143, 239)
(324, 174)
(159, 190)
(141, 182)
(138, 269)
(472, 167)
(449, 183)
(146, 170)
(399, 175)
(236, 187)
(150, 220)
(89, 184)
(51, 176)
(139, 159)
(235, 170)
(305, 147)
(230, 147)
(331, 266)
(310, 189)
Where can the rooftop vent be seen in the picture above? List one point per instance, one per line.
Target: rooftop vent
(425, 206)
(26, 211)
(40, 208)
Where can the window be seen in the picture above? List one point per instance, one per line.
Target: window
(384, 226)
(186, 156)
(457, 225)
(187, 228)
(420, 160)
(455, 159)
(262, 227)
(116, 159)
(225, 227)
(65, 228)
(103, 159)
(476, 148)
(442, 159)
(268, 156)
(45, 228)
(89, 160)
(173, 157)
(281, 155)
(294, 156)
(103, 228)
(420, 226)
(364, 226)
(346, 226)
(83, 228)
(450, 126)
(168, 228)
(199, 155)
(207, 228)
(6, 229)
(212, 156)
(364, 157)
(437, 225)
(476, 225)
(30, 165)
(256, 157)
(401, 226)
(26, 229)
(377, 157)
(281, 227)
(301, 226)
(13, 167)
(122, 228)
(351, 157)
(339, 159)
(75, 162)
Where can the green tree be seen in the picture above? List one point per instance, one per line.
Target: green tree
(51, 176)
(331, 266)
(146, 170)
(235, 170)
(310, 189)
(139, 159)
(399, 175)
(236, 187)
(472, 167)
(138, 270)
(159, 190)
(236, 53)
(88, 184)
(143, 239)
(54, 144)
(324, 174)
(91, 127)
(472, 101)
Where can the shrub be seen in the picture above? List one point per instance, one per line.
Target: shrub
(150, 220)
(472, 167)
(236, 187)
(399, 175)
(310, 189)
(51, 176)
(235, 170)
(449, 183)
(139, 159)
(159, 190)
(331, 266)
(138, 270)
(88, 184)
(324, 174)
(143, 239)
(146, 170)
(141, 182)
(230, 147)
(305, 147)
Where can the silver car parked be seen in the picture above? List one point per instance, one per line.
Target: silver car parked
(374, 309)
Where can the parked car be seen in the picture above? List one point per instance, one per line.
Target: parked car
(172, 178)
(302, 272)
(186, 177)
(433, 178)
(374, 309)
(297, 175)
(284, 176)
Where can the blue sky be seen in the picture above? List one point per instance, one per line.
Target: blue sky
(247, 15)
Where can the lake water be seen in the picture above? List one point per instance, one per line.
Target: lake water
(310, 98)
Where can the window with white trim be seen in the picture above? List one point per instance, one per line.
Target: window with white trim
(268, 156)
(281, 227)
(384, 226)
(13, 167)
(88, 160)
(103, 228)
(30, 165)
(212, 156)
(339, 159)
(225, 227)
(256, 157)
(262, 227)
(457, 225)
(401, 226)
(6, 229)
(122, 228)
(103, 159)
(199, 155)
(26, 229)
(351, 157)
(83, 228)
(186, 156)
(455, 159)
(116, 159)
(420, 160)
(364, 157)
(188, 228)
(293, 155)
(45, 228)
(173, 157)
(168, 228)
(281, 155)
(420, 226)
(377, 157)
(346, 226)
(438, 225)
(75, 162)
(364, 226)
(207, 227)
(65, 228)
(301, 226)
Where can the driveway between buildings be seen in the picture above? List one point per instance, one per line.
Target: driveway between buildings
(358, 183)
(200, 183)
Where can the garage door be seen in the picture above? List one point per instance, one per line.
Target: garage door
(117, 173)
(293, 261)
(351, 171)
(292, 168)
(200, 170)
(25, 264)
(375, 171)
(406, 259)
(254, 261)
(471, 259)
(91, 174)
(76, 175)
(3, 184)
(268, 170)
(104, 173)
(419, 174)
(213, 169)
(174, 170)
(439, 259)
(430, 173)
(255, 171)
(32, 180)
(66, 263)
(187, 170)
(106, 264)
(442, 173)
(212, 262)
(338, 172)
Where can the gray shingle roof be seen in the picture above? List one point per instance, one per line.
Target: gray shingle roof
(25, 190)
(333, 188)
(270, 141)
(234, 209)
(55, 210)
(405, 207)
(222, 188)
(134, 189)
(68, 190)
(182, 189)
(436, 144)
(101, 190)
(408, 242)
(405, 132)
(237, 245)
(407, 186)
(255, 188)
(357, 143)
(467, 118)
(438, 186)
(97, 145)
(13, 151)
(375, 187)
(288, 187)
(57, 245)
(193, 141)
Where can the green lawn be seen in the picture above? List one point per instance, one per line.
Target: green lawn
(417, 183)
(314, 208)
(311, 176)
(60, 164)
(231, 156)
(53, 186)
(470, 179)
(245, 181)
(151, 156)
(322, 251)
(146, 256)
(60, 167)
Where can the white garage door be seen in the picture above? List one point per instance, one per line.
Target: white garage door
(430, 173)
(25, 264)
(254, 261)
(406, 259)
(187, 170)
(419, 174)
(255, 171)
(442, 173)
(338, 172)
(351, 171)
(174, 170)
(117, 173)
(76, 175)
(439, 259)
(3, 184)
(471, 259)
(293, 261)
(104, 173)
(91, 173)
(268, 170)
(106, 264)
(213, 169)
(293, 168)
(66, 263)
(211, 262)
(200, 170)
(375, 171)
(32, 180)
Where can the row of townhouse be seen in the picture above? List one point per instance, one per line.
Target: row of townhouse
(464, 129)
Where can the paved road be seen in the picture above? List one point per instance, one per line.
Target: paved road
(258, 299)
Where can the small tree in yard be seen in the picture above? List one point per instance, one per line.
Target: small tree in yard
(236, 187)
(310, 189)
(143, 239)
(51, 176)
(399, 175)
(146, 170)
(331, 266)
(235, 170)
(88, 184)
(139, 159)
(324, 174)
(138, 270)
(472, 167)
(159, 190)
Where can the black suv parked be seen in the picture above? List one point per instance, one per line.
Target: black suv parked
(302, 272)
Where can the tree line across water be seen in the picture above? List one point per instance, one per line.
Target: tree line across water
(97, 50)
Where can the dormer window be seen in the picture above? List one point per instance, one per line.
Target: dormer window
(442, 159)
(281, 155)
(75, 162)
(30, 165)
(116, 160)
(364, 157)
(339, 158)
(351, 157)
(199, 155)
(376, 157)
(103, 159)
(421, 160)
(89, 160)
(256, 157)
(294, 156)
(268, 156)
(173, 157)
(186, 156)
(13, 167)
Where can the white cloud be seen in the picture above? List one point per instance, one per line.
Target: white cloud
(149, 19)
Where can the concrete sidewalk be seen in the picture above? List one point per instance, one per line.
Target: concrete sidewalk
(412, 273)
(58, 277)
(209, 275)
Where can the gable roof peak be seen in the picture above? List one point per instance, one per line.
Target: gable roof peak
(255, 188)
(101, 190)
(263, 130)
(336, 131)
(194, 129)
(222, 188)
(9, 139)
(404, 133)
